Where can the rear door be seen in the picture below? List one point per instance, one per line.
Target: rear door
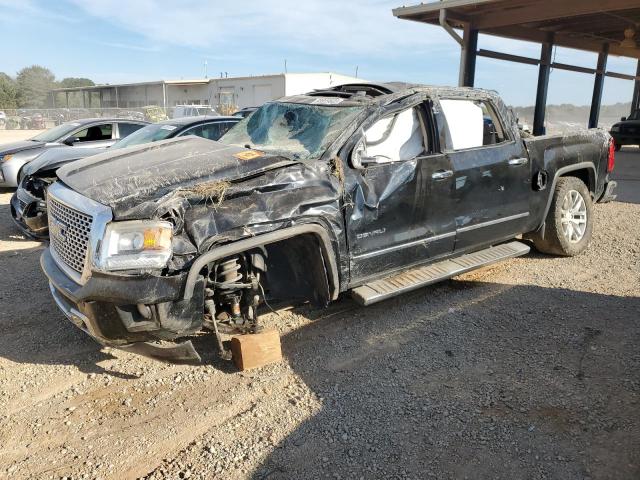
(491, 172)
(399, 210)
(127, 128)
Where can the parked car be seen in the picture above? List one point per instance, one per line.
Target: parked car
(89, 133)
(627, 131)
(180, 111)
(28, 203)
(369, 189)
(245, 112)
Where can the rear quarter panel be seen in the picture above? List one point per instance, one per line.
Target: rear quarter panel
(558, 155)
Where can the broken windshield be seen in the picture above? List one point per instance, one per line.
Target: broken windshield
(295, 130)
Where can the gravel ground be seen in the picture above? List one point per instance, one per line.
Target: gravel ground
(529, 369)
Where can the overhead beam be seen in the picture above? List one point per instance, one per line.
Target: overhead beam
(537, 11)
(413, 11)
(562, 40)
(508, 57)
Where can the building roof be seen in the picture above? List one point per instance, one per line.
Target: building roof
(197, 81)
(580, 24)
(202, 81)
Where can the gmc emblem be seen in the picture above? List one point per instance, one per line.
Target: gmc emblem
(58, 229)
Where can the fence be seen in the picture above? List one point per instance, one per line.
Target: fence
(42, 118)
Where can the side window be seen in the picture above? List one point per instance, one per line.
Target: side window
(197, 131)
(225, 127)
(95, 133)
(472, 123)
(397, 137)
(212, 131)
(127, 129)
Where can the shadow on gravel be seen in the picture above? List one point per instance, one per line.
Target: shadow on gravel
(33, 329)
(469, 380)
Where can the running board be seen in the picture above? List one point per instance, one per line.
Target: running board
(421, 276)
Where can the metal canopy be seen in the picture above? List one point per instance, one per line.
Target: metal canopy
(598, 26)
(581, 24)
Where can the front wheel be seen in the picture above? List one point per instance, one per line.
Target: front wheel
(569, 223)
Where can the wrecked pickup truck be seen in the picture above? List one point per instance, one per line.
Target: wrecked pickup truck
(369, 189)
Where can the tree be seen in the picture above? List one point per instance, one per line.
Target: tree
(8, 92)
(71, 82)
(33, 84)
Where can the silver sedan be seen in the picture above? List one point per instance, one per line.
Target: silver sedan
(87, 133)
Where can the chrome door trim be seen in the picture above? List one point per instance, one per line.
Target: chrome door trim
(404, 245)
(493, 222)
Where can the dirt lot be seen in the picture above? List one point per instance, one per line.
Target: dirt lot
(15, 135)
(529, 369)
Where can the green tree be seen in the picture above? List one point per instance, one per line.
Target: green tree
(71, 82)
(33, 84)
(8, 92)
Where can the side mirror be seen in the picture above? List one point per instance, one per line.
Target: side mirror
(71, 140)
(623, 119)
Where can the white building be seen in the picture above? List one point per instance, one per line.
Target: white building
(239, 92)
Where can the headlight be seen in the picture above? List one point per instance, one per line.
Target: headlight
(615, 129)
(135, 245)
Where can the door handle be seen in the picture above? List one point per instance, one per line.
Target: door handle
(518, 161)
(442, 174)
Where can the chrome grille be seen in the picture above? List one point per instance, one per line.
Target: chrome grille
(69, 231)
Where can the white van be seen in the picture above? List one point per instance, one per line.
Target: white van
(180, 111)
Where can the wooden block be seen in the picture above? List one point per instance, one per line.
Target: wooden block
(254, 350)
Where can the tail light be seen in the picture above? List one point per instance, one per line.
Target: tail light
(611, 162)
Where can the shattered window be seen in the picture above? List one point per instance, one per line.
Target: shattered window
(297, 130)
(472, 123)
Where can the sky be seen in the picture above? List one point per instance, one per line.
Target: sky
(114, 41)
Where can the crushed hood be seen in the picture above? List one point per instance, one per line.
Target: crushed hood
(130, 177)
(20, 146)
(54, 158)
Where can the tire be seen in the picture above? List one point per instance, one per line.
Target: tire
(566, 233)
(617, 146)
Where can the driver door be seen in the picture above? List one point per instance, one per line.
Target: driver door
(95, 136)
(399, 212)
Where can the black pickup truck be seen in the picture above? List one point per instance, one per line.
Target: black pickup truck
(369, 189)
(627, 131)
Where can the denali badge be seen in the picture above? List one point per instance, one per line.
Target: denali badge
(57, 229)
(373, 233)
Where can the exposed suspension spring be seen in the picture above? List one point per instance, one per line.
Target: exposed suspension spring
(229, 273)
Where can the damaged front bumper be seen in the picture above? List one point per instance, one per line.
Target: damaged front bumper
(130, 312)
(30, 214)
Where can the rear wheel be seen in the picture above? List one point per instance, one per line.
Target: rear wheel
(617, 146)
(569, 223)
